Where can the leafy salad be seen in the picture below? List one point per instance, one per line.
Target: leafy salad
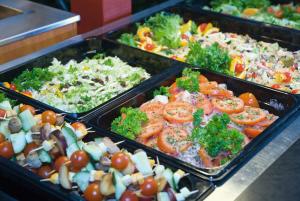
(78, 87)
(287, 15)
(206, 46)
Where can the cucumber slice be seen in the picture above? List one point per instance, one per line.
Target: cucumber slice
(5, 105)
(163, 196)
(4, 128)
(27, 120)
(80, 144)
(18, 141)
(168, 174)
(89, 167)
(71, 149)
(17, 109)
(142, 163)
(82, 180)
(28, 137)
(98, 140)
(94, 151)
(119, 186)
(69, 134)
(44, 156)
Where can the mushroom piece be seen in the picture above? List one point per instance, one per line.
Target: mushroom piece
(36, 128)
(60, 120)
(106, 185)
(33, 160)
(111, 147)
(45, 131)
(64, 177)
(14, 125)
(60, 140)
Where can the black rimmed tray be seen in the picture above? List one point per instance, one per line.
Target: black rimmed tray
(17, 178)
(279, 103)
(278, 32)
(156, 66)
(226, 24)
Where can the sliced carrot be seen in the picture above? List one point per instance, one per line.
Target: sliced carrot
(205, 158)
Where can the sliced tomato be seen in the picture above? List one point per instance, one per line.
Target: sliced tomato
(152, 142)
(270, 118)
(278, 14)
(239, 68)
(204, 103)
(252, 132)
(250, 116)
(178, 112)
(205, 158)
(275, 86)
(207, 86)
(202, 79)
(153, 109)
(229, 105)
(151, 129)
(168, 140)
(149, 47)
(249, 99)
(295, 91)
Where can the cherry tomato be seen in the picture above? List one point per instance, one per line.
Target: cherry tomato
(229, 105)
(239, 68)
(6, 150)
(2, 113)
(149, 187)
(288, 77)
(28, 107)
(275, 86)
(295, 91)
(129, 196)
(2, 138)
(203, 26)
(119, 161)
(79, 159)
(178, 112)
(44, 171)
(59, 162)
(79, 126)
(184, 36)
(92, 192)
(29, 147)
(278, 14)
(249, 99)
(298, 9)
(149, 47)
(13, 87)
(49, 117)
(270, 10)
(254, 75)
(250, 116)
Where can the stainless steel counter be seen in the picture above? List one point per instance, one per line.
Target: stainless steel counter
(33, 19)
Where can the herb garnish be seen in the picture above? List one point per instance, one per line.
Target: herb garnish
(162, 91)
(130, 123)
(189, 80)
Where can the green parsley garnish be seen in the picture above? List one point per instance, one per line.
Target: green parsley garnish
(189, 80)
(162, 91)
(130, 123)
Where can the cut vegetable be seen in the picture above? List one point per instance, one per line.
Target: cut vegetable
(44, 156)
(119, 186)
(64, 177)
(69, 134)
(18, 141)
(141, 162)
(82, 180)
(27, 120)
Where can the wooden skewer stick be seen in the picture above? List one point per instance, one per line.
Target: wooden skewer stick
(193, 192)
(67, 163)
(52, 172)
(157, 160)
(117, 143)
(91, 131)
(36, 149)
(43, 180)
(36, 133)
(74, 187)
(25, 165)
(89, 128)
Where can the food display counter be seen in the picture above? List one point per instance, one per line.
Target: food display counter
(191, 121)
